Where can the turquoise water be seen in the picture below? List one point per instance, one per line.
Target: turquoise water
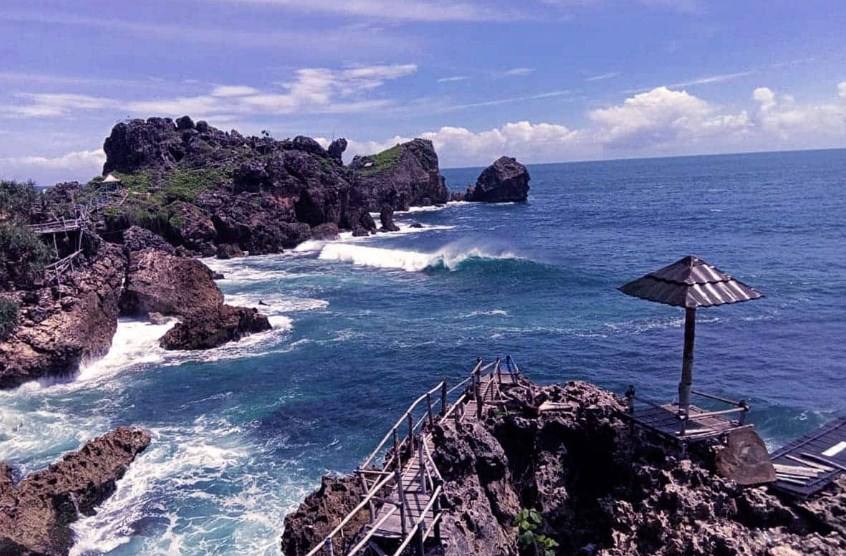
(362, 326)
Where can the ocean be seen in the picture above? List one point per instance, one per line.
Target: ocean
(362, 326)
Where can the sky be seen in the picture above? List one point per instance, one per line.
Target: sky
(542, 80)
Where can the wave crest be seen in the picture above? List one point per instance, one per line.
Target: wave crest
(449, 257)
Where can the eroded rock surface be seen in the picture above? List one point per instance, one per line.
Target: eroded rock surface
(213, 327)
(504, 181)
(62, 324)
(36, 513)
(599, 489)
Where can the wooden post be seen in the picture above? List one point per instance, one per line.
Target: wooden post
(422, 462)
(397, 454)
(370, 506)
(436, 513)
(478, 395)
(410, 434)
(327, 544)
(499, 371)
(401, 497)
(443, 398)
(421, 534)
(686, 383)
(429, 410)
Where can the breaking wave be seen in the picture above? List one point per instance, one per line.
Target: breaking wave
(449, 257)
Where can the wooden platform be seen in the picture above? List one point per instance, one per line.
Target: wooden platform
(488, 387)
(665, 421)
(812, 462)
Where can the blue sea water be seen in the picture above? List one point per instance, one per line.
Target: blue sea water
(243, 432)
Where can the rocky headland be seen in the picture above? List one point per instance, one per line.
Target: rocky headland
(594, 485)
(36, 512)
(174, 190)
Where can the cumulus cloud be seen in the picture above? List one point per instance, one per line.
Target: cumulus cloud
(659, 117)
(660, 121)
(73, 165)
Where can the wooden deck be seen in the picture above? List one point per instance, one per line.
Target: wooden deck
(664, 420)
(810, 463)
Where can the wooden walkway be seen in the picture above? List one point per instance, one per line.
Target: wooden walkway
(57, 226)
(809, 464)
(403, 495)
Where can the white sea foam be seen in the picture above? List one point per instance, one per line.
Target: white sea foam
(432, 208)
(449, 257)
(168, 483)
(135, 342)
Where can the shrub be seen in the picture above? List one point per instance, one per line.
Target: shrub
(17, 199)
(22, 255)
(527, 523)
(8, 317)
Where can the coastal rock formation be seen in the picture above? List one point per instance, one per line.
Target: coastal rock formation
(214, 326)
(157, 282)
(386, 218)
(504, 181)
(36, 513)
(403, 176)
(320, 512)
(200, 187)
(599, 487)
(61, 325)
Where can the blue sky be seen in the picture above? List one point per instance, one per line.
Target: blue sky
(543, 80)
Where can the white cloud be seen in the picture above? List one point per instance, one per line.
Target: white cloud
(419, 10)
(660, 121)
(313, 90)
(73, 165)
(453, 78)
(603, 76)
(233, 91)
(516, 72)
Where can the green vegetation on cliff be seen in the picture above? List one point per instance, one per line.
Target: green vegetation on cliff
(383, 161)
(8, 317)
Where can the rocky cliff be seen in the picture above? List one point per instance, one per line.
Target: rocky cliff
(597, 487)
(202, 188)
(36, 513)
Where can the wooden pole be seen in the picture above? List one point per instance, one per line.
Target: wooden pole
(401, 497)
(397, 454)
(429, 410)
(411, 433)
(421, 537)
(443, 398)
(686, 383)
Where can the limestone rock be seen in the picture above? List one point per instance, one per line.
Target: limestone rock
(162, 283)
(35, 514)
(213, 327)
(506, 180)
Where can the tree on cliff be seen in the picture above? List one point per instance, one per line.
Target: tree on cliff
(22, 255)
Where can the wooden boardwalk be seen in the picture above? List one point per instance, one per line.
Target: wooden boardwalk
(810, 463)
(404, 494)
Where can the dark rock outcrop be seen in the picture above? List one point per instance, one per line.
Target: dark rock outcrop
(336, 150)
(35, 514)
(403, 176)
(386, 218)
(320, 512)
(599, 487)
(62, 325)
(157, 282)
(213, 327)
(506, 180)
(138, 239)
(207, 187)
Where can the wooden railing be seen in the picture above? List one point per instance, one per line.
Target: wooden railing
(434, 407)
